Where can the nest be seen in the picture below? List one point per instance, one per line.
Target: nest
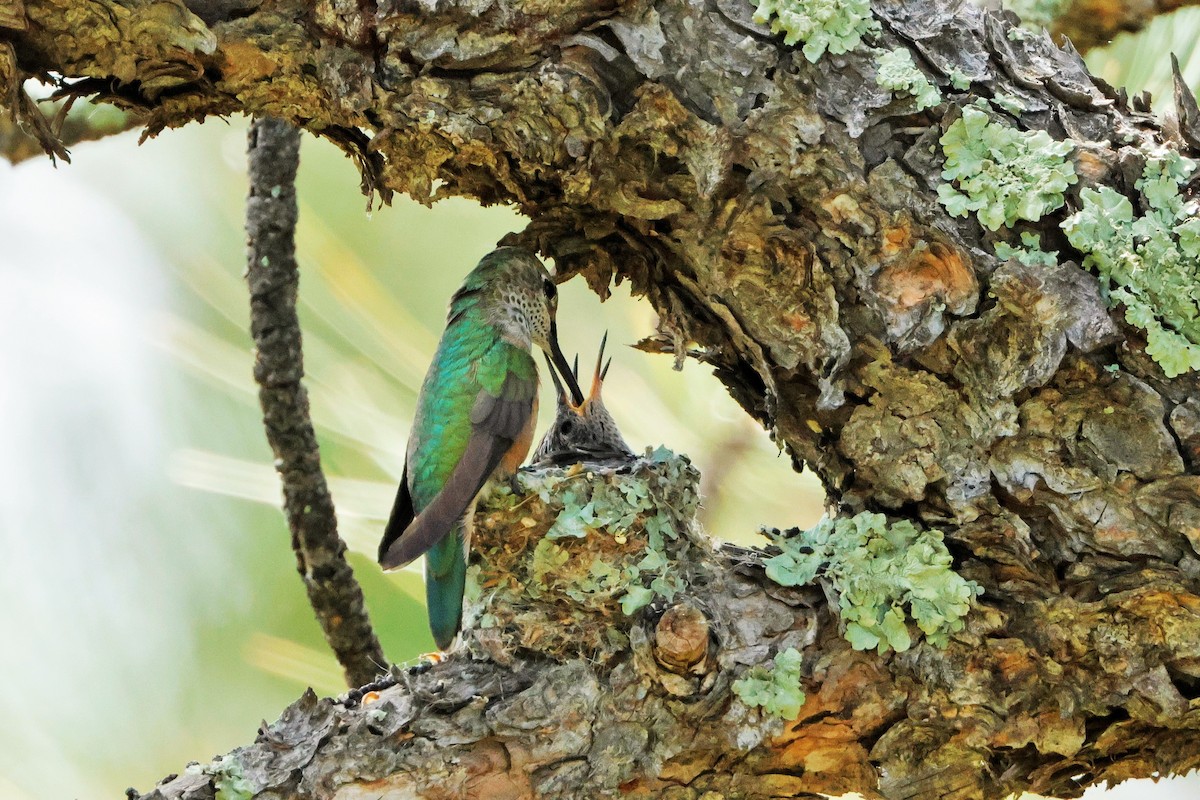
(565, 564)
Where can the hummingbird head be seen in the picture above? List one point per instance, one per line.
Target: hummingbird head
(519, 297)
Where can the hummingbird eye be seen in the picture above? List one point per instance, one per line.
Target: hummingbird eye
(549, 289)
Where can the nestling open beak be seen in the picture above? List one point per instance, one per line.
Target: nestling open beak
(601, 371)
(564, 369)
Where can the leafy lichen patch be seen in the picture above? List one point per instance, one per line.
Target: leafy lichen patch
(1001, 173)
(777, 690)
(895, 70)
(579, 546)
(1030, 252)
(1148, 263)
(836, 26)
(885, 575)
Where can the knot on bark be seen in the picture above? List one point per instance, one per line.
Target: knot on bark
(681, 639)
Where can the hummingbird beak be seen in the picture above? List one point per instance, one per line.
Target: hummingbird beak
(559, 389)
(564, 369)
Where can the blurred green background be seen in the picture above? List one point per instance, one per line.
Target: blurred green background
(150, 613)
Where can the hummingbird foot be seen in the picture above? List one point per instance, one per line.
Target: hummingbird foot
(428, 660)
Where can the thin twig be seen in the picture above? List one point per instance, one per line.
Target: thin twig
(337, 599)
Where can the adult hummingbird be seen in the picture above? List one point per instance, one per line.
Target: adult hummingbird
(582, 430)
(474, 421)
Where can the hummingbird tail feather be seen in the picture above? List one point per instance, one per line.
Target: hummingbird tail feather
(445, 580)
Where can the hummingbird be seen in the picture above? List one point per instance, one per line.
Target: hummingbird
(474, 421)
(582, 430)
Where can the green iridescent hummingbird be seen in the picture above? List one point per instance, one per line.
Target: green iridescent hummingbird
(475, 418)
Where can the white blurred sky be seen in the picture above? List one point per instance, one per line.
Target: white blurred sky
(90, 588)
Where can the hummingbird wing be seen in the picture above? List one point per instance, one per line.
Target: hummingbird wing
(497, 422)
(401, 517)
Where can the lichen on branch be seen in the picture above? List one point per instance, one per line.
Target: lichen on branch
(1001, 173)
(1149, 262)
(883, 575)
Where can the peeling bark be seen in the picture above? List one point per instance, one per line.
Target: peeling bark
(782, 216)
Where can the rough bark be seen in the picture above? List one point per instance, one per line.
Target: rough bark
(782, 216)
(271, 271)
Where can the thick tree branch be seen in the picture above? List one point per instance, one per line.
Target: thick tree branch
(789, 221)
(336, 597)
(558, 693)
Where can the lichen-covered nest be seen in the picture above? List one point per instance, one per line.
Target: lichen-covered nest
(561, 563)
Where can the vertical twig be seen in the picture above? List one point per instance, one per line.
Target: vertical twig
(337, 599)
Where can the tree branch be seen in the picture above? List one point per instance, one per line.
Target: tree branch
(274, 153)
(558, 693)
(790, 222)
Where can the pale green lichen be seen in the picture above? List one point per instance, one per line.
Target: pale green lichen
(1009, 103)
(613, 507)
(879, 570)
(836, 26)
(895, 70)
(1031, 255)
(1003, 174)
(776, 691)
(959, 79)
(1150, 264)
(229, 779)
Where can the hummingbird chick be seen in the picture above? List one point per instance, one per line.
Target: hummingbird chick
(582, 431)
(474, 421)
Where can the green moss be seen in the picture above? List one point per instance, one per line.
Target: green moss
(1031, 255)
(878, 570)
(896, 71)
(1003, 174)
(776, 691)
(837, 26)
(1150, 264)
